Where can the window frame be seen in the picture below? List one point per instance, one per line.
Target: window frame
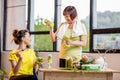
(4, 24)
(93, 32)
(43, 32)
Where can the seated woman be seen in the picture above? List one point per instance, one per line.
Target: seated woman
(22, 59)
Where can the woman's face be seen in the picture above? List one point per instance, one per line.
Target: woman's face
(27, 39)
(68, 19)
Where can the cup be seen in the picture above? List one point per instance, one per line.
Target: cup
(62, 63)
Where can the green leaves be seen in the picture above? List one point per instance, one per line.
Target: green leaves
(40, 59)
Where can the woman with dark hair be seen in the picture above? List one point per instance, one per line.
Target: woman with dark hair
(72, 33)
(22, 59)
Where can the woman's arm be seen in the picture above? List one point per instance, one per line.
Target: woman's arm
(52, 33)
(82, 42)
(36, 66)
(16, 66)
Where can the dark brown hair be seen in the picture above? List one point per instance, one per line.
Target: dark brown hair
(71, 10)
(18, 34)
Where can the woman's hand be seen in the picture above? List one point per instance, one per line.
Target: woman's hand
(18, 54)
(48, 23)
(68, 42)
(82, 41)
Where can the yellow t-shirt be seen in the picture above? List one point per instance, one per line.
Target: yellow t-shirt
(27, 62)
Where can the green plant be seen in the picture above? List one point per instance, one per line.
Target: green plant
(3, 72)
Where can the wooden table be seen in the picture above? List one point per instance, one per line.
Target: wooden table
(58, 74)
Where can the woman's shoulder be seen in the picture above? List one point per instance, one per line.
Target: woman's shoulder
(31, 50)
(62, 24)
(13, 51)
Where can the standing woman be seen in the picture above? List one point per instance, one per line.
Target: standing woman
(22, 59)
(72, 33)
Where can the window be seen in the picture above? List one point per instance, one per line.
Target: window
(105, 25)
(43, 9)
(46, 10)
(108, 16)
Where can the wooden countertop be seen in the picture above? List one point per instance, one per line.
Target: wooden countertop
(86, 71)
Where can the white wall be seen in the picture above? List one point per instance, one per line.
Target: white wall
(16, 19)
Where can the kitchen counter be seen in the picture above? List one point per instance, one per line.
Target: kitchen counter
(58, 74)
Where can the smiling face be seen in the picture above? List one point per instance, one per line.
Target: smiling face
(68, 19)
